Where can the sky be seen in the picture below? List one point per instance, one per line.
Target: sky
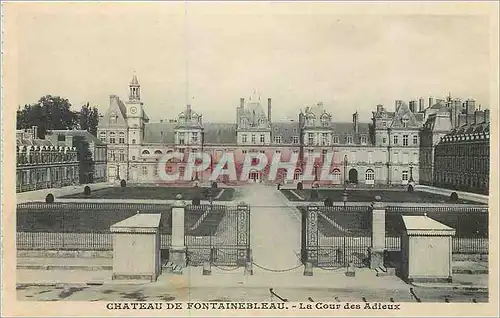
(210, 55)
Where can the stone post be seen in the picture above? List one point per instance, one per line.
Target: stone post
(177, 252)
(243, 233)
(378, 234)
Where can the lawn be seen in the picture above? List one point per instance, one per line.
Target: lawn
(358, 223)
(156, 193)
(369, 195)
(99, 217)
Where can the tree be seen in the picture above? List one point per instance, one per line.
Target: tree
(54, 113)
(49, 113)
(89, 119)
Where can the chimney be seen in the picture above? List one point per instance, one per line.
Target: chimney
(431, 101)
(355, 122)
(470, 106)
(398, 104)
(269, 109)
(34, 130)
(242, 102)
(413, 105)
(479, 116)
(421, 105)
(486, 115)
(380, 108)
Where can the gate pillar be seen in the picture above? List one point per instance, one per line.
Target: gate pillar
(243, 233)
(378, 234)
(312, 243)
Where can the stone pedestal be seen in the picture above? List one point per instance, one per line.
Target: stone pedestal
(376, 258)
(426, 250)
(378, 234)
(136, 247)
(177, 252)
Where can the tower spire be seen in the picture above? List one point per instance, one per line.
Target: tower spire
(135, 89)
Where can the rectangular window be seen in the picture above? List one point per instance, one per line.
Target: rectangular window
(262, 138)
(262, 151)
(370, 156)
(243, 151)
(404, 175)
(335, 139)
(384, 140)
(415, 139)
(112, 155)
(363, 139)
(349, 139)
(278, 151)
(310, 150)
(112, 140)
(133, 141)
(121, 140)
(295, 139)
(102, 136)
(310, 139)
(254, 140)
(277, 139)
(244, 138)
(405, 140)
(194, 138)
(324, 139)
(324, 151)
(133, 157)
(181, 139)
(395, 140)
(122, 156)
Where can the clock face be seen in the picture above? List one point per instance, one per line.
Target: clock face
(133, 110)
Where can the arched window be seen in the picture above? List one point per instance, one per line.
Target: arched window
(158, 152)
(145, 152)
(369, 176)
(336, 175)
(297, 174)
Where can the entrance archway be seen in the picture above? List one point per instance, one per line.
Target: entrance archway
(253, 176)
(353, 176)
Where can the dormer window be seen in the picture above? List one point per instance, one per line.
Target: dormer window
(349, 139)
(363, 139)
(325, 120)
(405, 122)
(113, 118)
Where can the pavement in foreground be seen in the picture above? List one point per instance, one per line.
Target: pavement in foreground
(233, 285)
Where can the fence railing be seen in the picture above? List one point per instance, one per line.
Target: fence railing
(215, 233)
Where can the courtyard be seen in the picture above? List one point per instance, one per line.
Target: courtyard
(368, 195)
(157, 193)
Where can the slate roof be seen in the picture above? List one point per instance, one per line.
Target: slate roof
(159, 132)
(220, 133)
(81, 133)
(116, 107)
(215, 133)
(285, 129)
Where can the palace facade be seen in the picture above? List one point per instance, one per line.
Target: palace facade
(41, 164)
(386, 150)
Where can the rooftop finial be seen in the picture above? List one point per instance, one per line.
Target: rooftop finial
(134, 80)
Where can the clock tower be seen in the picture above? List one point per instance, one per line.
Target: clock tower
(135, 113)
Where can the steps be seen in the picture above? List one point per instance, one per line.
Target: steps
(383, 271)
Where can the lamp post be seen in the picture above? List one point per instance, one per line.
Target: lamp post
(345, 173)
(411, 173)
